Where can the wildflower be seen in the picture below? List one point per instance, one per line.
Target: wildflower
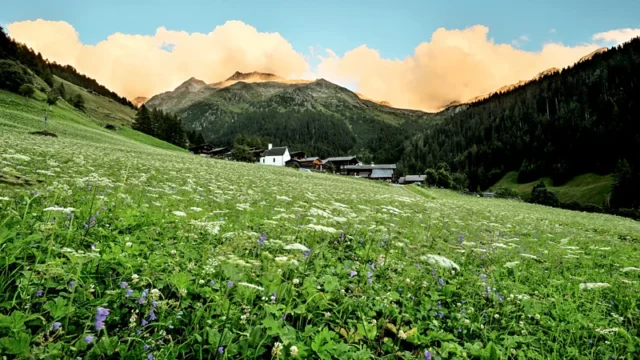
(179, 213)
(296, 281)
(88, 339)
(273, 297)
(144, 322)
(307, 253)
(134, 278)
(537, 316)
(146, 347)
(129, 244)
(353, 273)
(183, 292)
(220, 350)
(441, 281)
(39, 293)
(56, 325)
(150, 356)
(402, 335)
(154, 303)
(141, 301)
(293, 350)
(101, 316)
(277, 348)
(212, 282)
(152, 316)
(230, 284)
(427, 355)
(128, 292)
(124, 284)
(496, 316)
(262, 239)
(513, 352)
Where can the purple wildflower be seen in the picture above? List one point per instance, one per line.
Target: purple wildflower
(441, 314)
(230, 283)
(56, 325)
(144, 322)
(129, 292)
(124, 284)
(101, 316)
(146, 347)
(369, 281)
(138, 332)
(72, 284)
(88, 339)
(150, 356)
(145, 292)
(220, 350)
(212, 282)
(307, 253)
(353, 273)
(262, 239)
(441, 281)
(154, 303)
(369, 274)
(141, 301)
(427, 355)
(39, 293)
(152, 316)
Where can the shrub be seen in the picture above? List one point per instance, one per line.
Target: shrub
(13, 76)
(52, 97)
(507, 193)
(432, 177)
(78, 102)
(543, 196)
(27, 90)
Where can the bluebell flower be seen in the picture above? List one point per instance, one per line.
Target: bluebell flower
(88, 339)
(39, 293)
(101, 316)
(150, 356)
(427, 355)
(441, 314)
(230, 283)
(152, 316)
(220, 350)
(146, 347)
(262, 239)
(144, 322)
(72, 284)
(212, 282)
(154, 303)
(307, 253)
(124, 284)
(138, 332)
(129, 292)
(56, 325)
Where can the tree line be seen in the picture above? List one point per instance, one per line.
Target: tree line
(164, 126)
(584, 119)
(22, 54)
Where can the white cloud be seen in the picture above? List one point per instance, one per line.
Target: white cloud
(618, 36)
(141, 65)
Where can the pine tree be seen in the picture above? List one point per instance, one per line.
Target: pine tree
(143, 122)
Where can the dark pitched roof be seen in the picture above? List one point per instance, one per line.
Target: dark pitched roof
(307, 159)
(415, 178)
(275, 151)
(369, 167)
(340, 158)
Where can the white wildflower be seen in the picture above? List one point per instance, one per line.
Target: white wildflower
(593, 285)
(251, 286)
(402, 335)
(321, 228)
(277, 348)
(630, 269)
(196, 209)
(179, 213)
(135, 278)
(511, 264)
(17, 157)
(607, 331)
(296, 246)
(61, 209)
(296, 281)
(2, 198)
(440, 261)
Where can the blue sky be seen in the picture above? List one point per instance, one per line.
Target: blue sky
(393, 28)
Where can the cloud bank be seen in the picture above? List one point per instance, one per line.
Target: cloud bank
(455, 65)
(140, 65)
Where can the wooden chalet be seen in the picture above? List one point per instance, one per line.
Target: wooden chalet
(208, 150)
(384, 172)
(413, 179)
(339, 163)
(314, 163)
(298, 155)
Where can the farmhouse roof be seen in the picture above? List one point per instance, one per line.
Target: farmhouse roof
(314, 158)
(415, 178)
(369, 167)
(339, 158)
(275, 151)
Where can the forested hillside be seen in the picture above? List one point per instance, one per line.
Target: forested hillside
(11, 50)
(585, 119)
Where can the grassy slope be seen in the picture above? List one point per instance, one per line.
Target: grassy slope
(25, 115)
(139, 188)
(585, 189)
(101, 108)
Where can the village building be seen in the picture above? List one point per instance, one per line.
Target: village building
(313, 163)
(375, 172)
(298, 155)
(208, 150)
(413, 179)
(276, 156)
(339, 163)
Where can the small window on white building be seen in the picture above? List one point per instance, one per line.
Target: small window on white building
(274, 159)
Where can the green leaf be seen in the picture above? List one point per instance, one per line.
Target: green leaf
(331, 283)
(16, 345)
(57, 308)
